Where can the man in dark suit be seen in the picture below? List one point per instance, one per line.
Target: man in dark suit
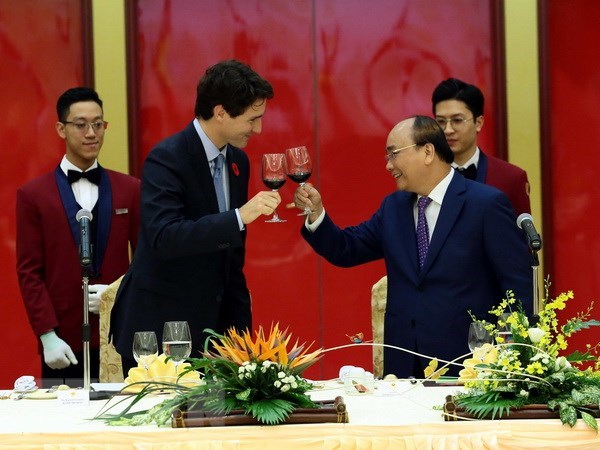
(48, 263)
(460, 252)
(458, 109)
(190, 258)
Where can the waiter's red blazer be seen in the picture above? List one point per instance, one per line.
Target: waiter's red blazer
(507, 177)
(48, 266)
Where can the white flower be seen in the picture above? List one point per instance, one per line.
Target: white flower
(277, 383)
(561, 363)
(285, 388)
(281, 375)
(535, 335)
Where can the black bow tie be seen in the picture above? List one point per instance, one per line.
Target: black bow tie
(93, 176)
(469, 172)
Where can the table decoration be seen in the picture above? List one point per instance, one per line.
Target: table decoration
(160, 369)
(260, 377)
(527, 372)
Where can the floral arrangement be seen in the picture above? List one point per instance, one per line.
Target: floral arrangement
(528, 368)
(261, 377)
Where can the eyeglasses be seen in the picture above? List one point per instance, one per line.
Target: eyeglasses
(390, 156)
(98, 126)
(458, 123)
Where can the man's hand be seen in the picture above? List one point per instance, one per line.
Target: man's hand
(57, 353)
(262, 204)
(308, 196)
(95, 291)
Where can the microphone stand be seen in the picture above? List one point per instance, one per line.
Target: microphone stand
(536, 292)
(86, 330)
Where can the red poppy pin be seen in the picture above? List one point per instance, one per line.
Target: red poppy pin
(236, 171)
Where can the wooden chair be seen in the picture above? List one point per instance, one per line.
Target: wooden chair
(111, 370)
(378, 304)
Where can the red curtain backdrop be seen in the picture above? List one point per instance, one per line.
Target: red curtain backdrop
(41, 52)
(570, 154)
(344, 72)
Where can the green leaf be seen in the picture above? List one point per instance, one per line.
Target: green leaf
(577, 356)
(568, 414)
(589, 420)
(270, 411)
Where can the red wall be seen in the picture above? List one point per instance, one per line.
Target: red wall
(41, 53)
(344, 72)
(570, 154)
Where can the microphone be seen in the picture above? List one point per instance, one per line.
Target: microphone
(525, 223)
(84, 217)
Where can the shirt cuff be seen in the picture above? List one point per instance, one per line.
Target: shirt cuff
(239, 218)
(313, 226)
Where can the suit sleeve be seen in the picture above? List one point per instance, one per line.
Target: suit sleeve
(30, 266)
(346, 247)
(508, 252)
(176, 217)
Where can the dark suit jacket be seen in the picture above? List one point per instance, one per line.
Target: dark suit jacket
(190, 258)
(48, 267)
(507, 177)
(476, 254)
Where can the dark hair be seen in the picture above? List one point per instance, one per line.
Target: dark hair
(232, 84)
(455, 89)
(426, 130)
(74, 95)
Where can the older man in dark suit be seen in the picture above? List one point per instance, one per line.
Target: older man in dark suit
(48, 263)
(450, 245)
(195, 208)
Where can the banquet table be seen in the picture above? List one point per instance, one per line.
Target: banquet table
(394, 416)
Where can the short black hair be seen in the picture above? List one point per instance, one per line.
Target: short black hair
(455, 89)
(232, 84)
(75, 95)
(426, 130)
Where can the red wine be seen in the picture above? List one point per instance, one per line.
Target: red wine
(299, 177)
(274, 183)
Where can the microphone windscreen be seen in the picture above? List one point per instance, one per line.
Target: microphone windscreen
(523, 217)
(84, 213)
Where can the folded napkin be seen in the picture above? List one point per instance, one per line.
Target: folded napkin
(160, 370)
(26, 383)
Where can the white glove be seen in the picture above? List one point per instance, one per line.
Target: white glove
(95, 291)
(57, 353)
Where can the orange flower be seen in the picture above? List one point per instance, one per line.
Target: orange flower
(239, 348)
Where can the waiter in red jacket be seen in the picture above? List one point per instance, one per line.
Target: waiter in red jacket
(48, 234)
(458, 109)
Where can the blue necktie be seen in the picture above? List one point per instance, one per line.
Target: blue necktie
(422, 230)
(218, 180)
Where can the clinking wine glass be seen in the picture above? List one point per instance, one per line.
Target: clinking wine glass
(145, 347)
(299, 168)
(177, 341)
(274, 171)
(478, 335)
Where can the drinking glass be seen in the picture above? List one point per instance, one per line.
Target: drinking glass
(145, 347)
(274, 170)
(478, 335)
(177, 341)
(299, 168)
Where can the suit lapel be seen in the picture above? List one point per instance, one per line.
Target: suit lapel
(234, 179)
(452, 205)
(201, 167)
(482, 167)
(68, 201)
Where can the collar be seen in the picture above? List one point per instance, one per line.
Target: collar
(66, 165)
(439, 191)
(211, 149)
(472, 160)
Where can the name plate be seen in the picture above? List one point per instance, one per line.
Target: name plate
(73, 397)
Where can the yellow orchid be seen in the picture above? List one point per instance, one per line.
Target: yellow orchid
(432, 372)
(160, 370)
